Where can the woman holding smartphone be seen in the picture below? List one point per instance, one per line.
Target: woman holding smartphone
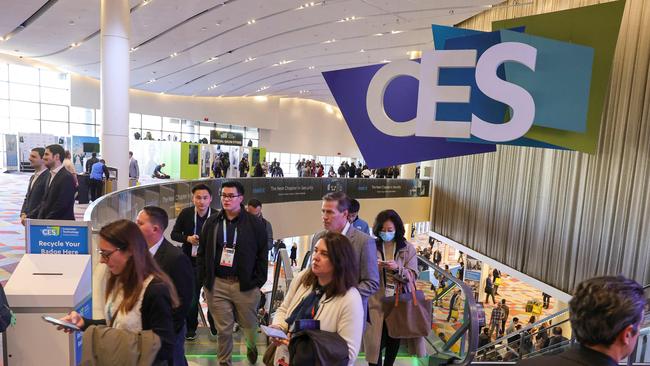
(397, 261)
(139, 296)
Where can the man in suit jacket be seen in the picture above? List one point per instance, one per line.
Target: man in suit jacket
(153, 221)
(335, 208)
(134, 169)
(37, 185)
(58, 201)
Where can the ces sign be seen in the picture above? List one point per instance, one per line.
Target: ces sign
(425, 124)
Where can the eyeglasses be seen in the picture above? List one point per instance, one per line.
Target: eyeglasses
(229, 196)
(106, 254)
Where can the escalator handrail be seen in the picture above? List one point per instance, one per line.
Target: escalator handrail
(530, 326)
(471, 306)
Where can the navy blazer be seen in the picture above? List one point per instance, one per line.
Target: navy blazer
(34, 196)
(177, 266)
(58, 201)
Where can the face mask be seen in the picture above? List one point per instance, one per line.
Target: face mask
(387, 235)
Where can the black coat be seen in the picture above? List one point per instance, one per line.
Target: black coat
(575, 356)
(250, 254)
(184, 227)
(179, 269)
(58, 201)
(34, 196)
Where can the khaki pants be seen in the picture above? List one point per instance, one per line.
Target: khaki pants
(224, 301)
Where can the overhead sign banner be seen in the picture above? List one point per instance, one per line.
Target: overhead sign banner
(226, 138)
(537, 81)
(57, 237)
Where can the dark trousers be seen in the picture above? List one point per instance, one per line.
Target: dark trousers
(488, 294)
(179, 348)
(192, 319)
(392, 347)
(96, 187)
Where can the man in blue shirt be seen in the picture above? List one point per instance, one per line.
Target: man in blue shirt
(96, 182)
(353, 217)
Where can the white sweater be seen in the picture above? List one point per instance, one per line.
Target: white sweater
(340, 314)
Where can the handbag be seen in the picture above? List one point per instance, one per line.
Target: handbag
(408, 314)
(497, 281)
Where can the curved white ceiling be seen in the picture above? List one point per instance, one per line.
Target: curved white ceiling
(233, 47)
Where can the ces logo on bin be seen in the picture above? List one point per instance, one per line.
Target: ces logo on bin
(51, 231)
(512, 86)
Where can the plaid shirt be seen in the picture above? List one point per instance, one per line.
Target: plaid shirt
(497, 315)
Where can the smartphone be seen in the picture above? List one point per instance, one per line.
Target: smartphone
(61, 323)
(273, 332)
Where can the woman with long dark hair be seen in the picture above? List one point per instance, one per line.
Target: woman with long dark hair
(398, 264)
(325, 292)
(139, 296)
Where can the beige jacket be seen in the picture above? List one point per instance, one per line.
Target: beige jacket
(106, 346)
(372, 335)
(340, 314)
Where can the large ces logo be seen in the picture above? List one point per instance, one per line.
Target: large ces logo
(537, 81)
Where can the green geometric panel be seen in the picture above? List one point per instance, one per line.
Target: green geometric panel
(595, 26)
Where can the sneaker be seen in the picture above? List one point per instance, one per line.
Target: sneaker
(251, 355)
(190, 336)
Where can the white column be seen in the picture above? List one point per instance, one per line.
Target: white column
(114, 81)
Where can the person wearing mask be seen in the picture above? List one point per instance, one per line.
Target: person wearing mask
(37, 186)
(58, 201)
(254, 207)
(396, 259)
(335, 210)
(187, 230)
(354, 218)
(158, 173)
(96, 179)
(325, 292)
(139, 296)
(69, 166)
(134, 168)
(89, 163)
(232, 261)
(152, 222)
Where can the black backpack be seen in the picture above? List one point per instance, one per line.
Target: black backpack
(5, 311)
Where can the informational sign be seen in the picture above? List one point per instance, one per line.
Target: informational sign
(226, 138)
(57, 237)
(11, 144)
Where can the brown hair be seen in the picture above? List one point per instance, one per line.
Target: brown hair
(346, 269)
(342, 200)
(127, 237)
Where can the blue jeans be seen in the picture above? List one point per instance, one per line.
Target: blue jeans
(179, 348)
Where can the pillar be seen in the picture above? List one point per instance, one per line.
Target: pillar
(408, 171)
(114, 82)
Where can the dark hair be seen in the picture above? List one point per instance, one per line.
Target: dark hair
(602, 307)
(157, 216)
(515, 319)
(57, 149)
(254, 202)
(40, 151)
(201, 187)
(130, 153)
(234, 184)
(102, 161)
(557, 331)
(94, 155)
(503, 301)
(354, 205)
(342, 200)
(126, 236)
(397, 221)
(346, 269)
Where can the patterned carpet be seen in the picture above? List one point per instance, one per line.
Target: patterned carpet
(12, 233)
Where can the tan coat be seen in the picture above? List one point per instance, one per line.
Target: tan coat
(106, 346)
(372, 335)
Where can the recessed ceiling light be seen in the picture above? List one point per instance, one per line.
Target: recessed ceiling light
(217, 24)
(76, 44)
(249, 59)
(396, 31)
(362, 50)
(312, 67)
(174, 54)
(212, 59)
(385, 61)
(133, 49)
(252, 21)
(378, 34)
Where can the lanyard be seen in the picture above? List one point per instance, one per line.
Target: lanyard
(383, 257)
(225, 236)
(196, 217)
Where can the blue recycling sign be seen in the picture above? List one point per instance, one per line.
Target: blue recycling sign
(57, 237)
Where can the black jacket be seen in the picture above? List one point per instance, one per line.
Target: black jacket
(575, 356)
(179, 269)
(34, 196)
(89, 164)
(156, 314)
(250, 254)
(58, 201)
(184, 227)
